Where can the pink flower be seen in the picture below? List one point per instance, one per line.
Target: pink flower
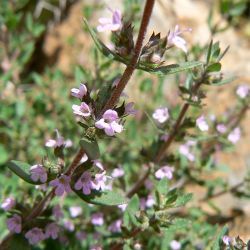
(61, 184)
(38, 172)
(57, 212)
(117, 172)
(100, 180)
(164, 171)
(85, 183)
(81, 110)
(150, 201)
(109, 123)
(175, 39)
(175, 245)
(97, 219)
(51, 231)
(98, 164)
(161, 115)
(164, 137)
(8, 204)
(226, 240)
(115, 227)
(95, 247)
(122, 207)
(81, 235)
(113, 24)
(75, 211)
(202, 124)
(221, 128)
(35, 235)
(59, 142)
(184, 149)
(79, 93)
(69, 225)
(243, 91)
(234, 135)
(148, 185)
(14, 224)
(129, 109)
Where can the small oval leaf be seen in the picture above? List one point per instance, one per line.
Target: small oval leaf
(108, 198)
(215, 67)
(91, 148)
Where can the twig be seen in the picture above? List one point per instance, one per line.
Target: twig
(230, 190)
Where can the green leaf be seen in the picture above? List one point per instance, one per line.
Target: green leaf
(108, 198)
(209, 51)
(223, 81)
(218, 241)
(175, 68)
(215, 67)
(3, 154)
(91, 148)
(129, 216)
(183, 199)
(22, 170)
(162, 186)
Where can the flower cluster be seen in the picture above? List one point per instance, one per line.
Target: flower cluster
(87, 182)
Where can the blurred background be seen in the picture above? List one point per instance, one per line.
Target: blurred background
(45, 51)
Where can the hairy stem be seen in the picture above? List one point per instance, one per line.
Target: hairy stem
(136, 54)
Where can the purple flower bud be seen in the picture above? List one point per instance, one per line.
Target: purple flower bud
(75, 211)
(149, 185)
(161, 115)
(85, 183)
(35, 235)
(57, 212)
(184, 149)
(115, 227)
(165, 171)
(175, 39)
(8, 204)
(69, 225)
(14, 224)
(97, 219)
(82, 110)
(108, 24)
(150, 201)
(226, 240)
(98, 164)
(81, 235)
(243, 91)
(202, 124)
(59, 142)
(117, 172)
(79, 93)
(129, 109)
(51, 231)
(175, 245)
(221, 128)
(123, 207)
(62, 185)
(38, 172)
(234, 135)
(164, 137)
